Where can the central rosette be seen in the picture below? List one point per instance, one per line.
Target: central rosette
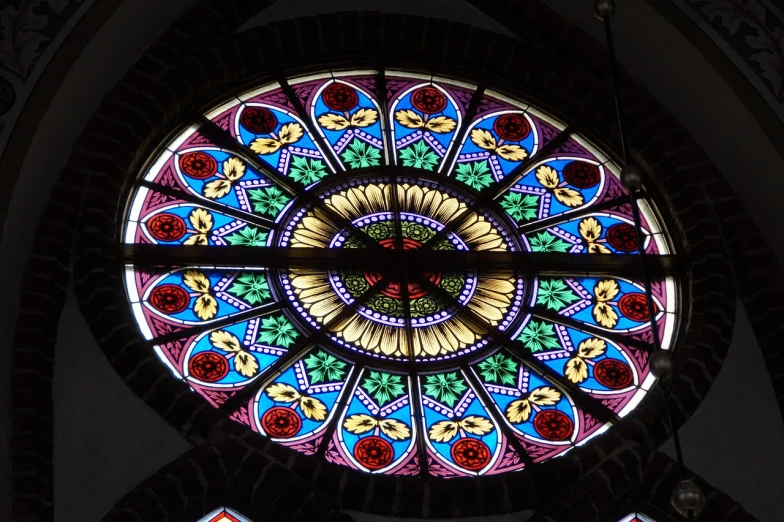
(394, 288)
(388, 305)
(382, 306)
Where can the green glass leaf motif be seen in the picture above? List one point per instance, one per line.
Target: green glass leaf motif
(360, 155)
(546, 242)
(539, 336)
(353, 242)
(355, 283)
(555, 294)
(324, 367)
(446, 388)
(248, 236)
(307, 170)
(420, 156)
(381, 230)
(417, 232)
(277, 331)
(499, 369)
(383, 387)
(386, 305)
(268, 201)
(522, 207)
(424, 306)
(475, 174)
(252, 288)
(452, 283)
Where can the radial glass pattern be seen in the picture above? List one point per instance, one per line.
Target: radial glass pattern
(398, 273)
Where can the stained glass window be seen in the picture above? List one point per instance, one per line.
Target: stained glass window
(636, 517)
(224, 515)
(398, 273)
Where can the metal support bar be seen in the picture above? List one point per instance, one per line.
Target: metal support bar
(412, 262)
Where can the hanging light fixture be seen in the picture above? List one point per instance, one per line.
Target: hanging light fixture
(687, 497)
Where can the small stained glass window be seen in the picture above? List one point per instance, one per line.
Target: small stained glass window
(224, 515)
(398, 273)
(636, 517)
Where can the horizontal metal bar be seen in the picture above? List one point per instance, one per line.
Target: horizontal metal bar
(402, 262)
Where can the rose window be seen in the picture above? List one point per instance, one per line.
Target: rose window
(398, 273)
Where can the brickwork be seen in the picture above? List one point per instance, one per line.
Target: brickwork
(552, 66)
(643, 475)
(225, 474)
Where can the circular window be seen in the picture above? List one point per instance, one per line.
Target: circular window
(397, 273)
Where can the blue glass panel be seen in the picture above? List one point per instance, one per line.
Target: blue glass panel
(229, 356)
(425, 121)
(282, 140)
(190, 224)
(196, 295)
(350, 120)
(531, 405)
(459, 430)
(302, 400)
(377, 429)
(609, 303)
(597, 233)
(230, 181)
(594, 363)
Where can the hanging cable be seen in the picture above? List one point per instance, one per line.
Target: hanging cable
(687, 498)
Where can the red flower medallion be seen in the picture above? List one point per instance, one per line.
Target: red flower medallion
(198, 165)
(169, 299)
(635, 307)
(582, 175)
(393, 289)
(374, 452)
(613, 374)
(512, 127)
(340, 97)
(622, 237)
(428, 100)
(258, 120)
(209, 366)
(167, 227)
(553, 425)
(281, 423)
(470, 454)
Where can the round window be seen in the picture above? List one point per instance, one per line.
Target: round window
(398, 273)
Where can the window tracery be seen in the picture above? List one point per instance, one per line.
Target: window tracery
(397, 273)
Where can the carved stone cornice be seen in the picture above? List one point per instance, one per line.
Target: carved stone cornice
(28, 30)
(751, 34)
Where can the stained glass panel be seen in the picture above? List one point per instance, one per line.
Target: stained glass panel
(348, 116)
(224, 515)
(426, 113)
(462, 437)
(398, 273)
(636, 517)
(378, 431)
(298, 407)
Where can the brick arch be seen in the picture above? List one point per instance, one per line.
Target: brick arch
(634, 476)
(225, 474)
(233, 474)
(538, 72)
(143, 107)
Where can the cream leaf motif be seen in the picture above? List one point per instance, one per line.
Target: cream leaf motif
(289, 134)
(394, 429)
(412, 120)
(484, 140)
